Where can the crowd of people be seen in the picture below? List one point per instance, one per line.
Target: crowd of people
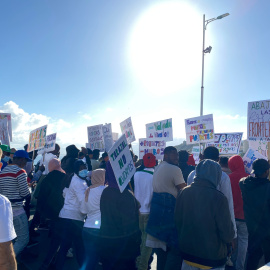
(203, 216)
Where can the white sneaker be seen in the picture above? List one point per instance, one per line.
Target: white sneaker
(229, 262)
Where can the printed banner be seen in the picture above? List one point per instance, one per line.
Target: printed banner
(122, 162)
(260, 146)
(8, 117)
(108, 137)
(160, 129)
(37, 139)
(200, 129)
(258, 120)
(227, 143)
(154, 146)
(249, 158)
(96, 138)
(127, 129)
(4, 134)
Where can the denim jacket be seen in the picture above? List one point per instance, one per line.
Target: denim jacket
(161, 223)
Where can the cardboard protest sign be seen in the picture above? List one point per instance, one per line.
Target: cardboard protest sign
(260, 146)
(115, 136)
(96, 138)
(108, 137)
(49, 145)
(37, 139)
(4, 134)
(196, 154)
(200, 129)
(154, 146)
(127, 129)
(122, 162)
(249, 158)
(227, 143)
(258, 120)
(7, 116)
(160, 129)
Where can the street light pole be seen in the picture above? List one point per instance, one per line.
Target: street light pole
(207, 50)
(202, 87)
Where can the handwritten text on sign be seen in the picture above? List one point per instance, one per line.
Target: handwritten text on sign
(127, 129)
(227, 143)
(200, 129)
(108, 137)
(249, 158)
(37, 139)
(260, 146)
(154, 146)
(160, 129)
(122, 162)
(96, 138)
(259, 120)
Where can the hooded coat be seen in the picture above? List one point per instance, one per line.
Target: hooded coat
(237, 168)
(203, 219)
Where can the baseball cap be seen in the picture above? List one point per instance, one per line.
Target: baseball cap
(259, 166)
(149, 160)
(5, 148)
(22, 154)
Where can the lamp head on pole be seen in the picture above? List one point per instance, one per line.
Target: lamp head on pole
(222, 16)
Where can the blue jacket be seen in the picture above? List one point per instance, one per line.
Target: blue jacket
(161, 223)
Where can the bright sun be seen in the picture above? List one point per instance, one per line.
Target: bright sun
(165, 47)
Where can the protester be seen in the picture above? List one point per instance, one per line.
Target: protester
(224, 185)
(237, 168)
(191, 160)
(256, 198)
(143, 185)
(105, 158)
(91, 207)
(223, 162)
(1, 164)
(185, 168)
(50, 202)
(17, 191)
(29, 165)
(203, 229)
(162, 236)
(94, 161)
(5, 155)
(119, 230)
(12, 152)
(48, 157)
(68, 161)
(7, 234)
(71, 218)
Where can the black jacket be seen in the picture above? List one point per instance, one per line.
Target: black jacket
(256, 198)
(50, 199)
(204, 225)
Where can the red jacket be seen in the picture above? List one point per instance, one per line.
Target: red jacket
(236, 165)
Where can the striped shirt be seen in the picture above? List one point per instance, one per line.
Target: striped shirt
(13, 185)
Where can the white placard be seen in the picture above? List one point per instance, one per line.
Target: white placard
(4, 133)
(49, 145)
(200, 129)
(108, 137)
(249, 158)
(127, 129)
(37, 139)
(115, 136)
(122, 162)
(160, 130)
(227, 143)
(96, 138)
(258, 120)
(154, 146)
(8, 117)
(196, 154)
(260, 146)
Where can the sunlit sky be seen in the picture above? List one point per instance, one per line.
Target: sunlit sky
(73, 64)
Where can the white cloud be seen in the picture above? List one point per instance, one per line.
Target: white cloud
(87, 116)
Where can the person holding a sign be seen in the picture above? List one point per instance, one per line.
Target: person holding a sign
(119, 230)
(256, 198)
(162, 235)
